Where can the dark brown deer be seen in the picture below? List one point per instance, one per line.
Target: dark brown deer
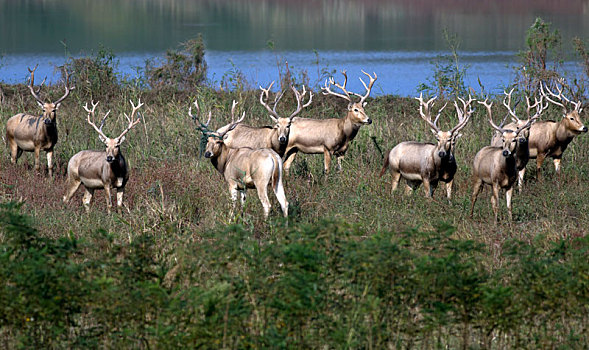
(244, 167)
(101, 169)
(429, 163)
(331, 137)
(25, 132)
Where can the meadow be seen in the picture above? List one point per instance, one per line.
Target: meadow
(354, 266)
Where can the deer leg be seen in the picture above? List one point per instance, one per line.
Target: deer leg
(263, 195)
(108, 197)
(120, 193)
(50, 162)
(449, 189)
(71, 188)
(233, 192)
(478, 186)
(327, 159)
(288, 161)
(37, 151)
(339, 162)
(520, 179)
(508, 196)
(87, 198)
(395, 182)
(242, 196)
(556, 165)
(15, 151)
(427, 186)
(539, 161)
(495, 200)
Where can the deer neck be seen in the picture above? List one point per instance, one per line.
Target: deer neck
(563, 134)
(220, 161)
(118, 165)
(349, 128)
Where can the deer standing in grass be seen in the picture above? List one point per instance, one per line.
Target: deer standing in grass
(25, 132)
(522, 155)
(244, 167)
(332, 137)
(273, 137)
(496, 166)
(550, 138)
(429, 163)
(101, 169)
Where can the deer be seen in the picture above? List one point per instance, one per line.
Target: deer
(496, 166)
(522, 154)
(332, 137)
(550, 138)
(428, 163)
(244, 167)
(106, 169)
(274, 137)
(30, 133)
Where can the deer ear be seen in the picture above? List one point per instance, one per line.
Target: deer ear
(364, 104)
(119, 141)
(102, 139)
(40, 104)
(349, 106)
(435, 133)
(57, 105)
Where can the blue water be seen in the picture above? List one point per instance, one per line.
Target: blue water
(399, 73)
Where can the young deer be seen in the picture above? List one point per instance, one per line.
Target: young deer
(274, 137)
(496, 166)
(429, 163)
(101, 169)
(25, 132)
(332, 137)
(522, 154)
(244, 167)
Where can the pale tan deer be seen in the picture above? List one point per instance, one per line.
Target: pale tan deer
(496, 166)
(101, 169)
(331, 137)
(522, 154)
(429, 163)
(274, 137)
(244, 167)
(25, 132)
(550, 138)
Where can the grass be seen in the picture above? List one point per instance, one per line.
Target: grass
(181, 204)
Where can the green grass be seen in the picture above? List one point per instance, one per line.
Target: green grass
(356, 266)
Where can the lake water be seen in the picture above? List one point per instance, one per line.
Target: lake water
(396, 39)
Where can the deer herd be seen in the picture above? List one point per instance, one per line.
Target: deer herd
(255, 157)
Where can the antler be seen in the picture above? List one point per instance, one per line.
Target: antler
(560, 97)
(299, 96)
(327, 91)
(463, 115)
(369, 87)
(204, 128)
(507, 104)
(67, 88)
(31, 87)
(425, 114)
(224, 130)
(91, 112)
(266, 92)
(132, 122)
(488, 106)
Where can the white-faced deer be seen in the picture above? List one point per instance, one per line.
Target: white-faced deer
(332, 137)
(274, 137)
(496, 166)
(101, 169)
(522, 154)
(429, 163)
(25, 132)
(550, 138)
(244, 167)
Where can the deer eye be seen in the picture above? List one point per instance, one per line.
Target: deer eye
(572, 118)
(355, 109)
